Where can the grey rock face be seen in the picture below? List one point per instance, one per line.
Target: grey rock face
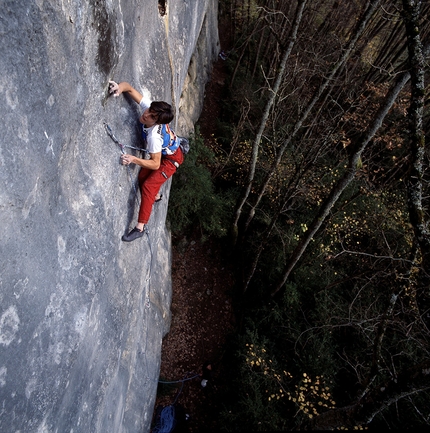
(83, 314)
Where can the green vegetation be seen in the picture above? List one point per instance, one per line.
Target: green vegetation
(195, 200)
(344, 343)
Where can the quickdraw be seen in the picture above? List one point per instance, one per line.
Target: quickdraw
(112, 136)
(122, 146)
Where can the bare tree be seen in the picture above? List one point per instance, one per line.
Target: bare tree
(406, 383)
(417, 138)
(417, 145)
(344, 181)
(415, 379)
(269, 105)
(370, 8)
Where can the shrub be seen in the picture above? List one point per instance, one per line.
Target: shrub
(194, 199)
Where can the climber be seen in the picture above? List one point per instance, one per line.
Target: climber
(162, 145)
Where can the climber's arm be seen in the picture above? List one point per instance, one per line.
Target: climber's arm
(153, 163)
(116, 89)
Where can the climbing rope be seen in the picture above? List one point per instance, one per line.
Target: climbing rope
(167, 421)
(147, 303)
(167, 417)
(179, 381)
(122, 146)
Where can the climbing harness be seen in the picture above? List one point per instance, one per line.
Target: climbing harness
(170, 140)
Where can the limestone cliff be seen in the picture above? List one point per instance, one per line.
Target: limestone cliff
(83, 314)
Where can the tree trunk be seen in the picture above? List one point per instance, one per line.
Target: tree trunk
(370, 8)
(417, 138)
(344, 181)
(274, 91)
(408, 382)
(416, 211)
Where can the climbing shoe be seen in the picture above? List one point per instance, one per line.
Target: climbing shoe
(134, 234)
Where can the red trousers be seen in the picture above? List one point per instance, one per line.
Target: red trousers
(150, 182)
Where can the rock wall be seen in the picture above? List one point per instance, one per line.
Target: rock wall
(83, 314)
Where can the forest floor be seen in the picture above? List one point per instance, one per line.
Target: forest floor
(202, 310)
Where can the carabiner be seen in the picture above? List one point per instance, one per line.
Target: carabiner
(110, 133)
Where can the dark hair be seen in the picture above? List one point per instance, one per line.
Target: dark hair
(162, 110)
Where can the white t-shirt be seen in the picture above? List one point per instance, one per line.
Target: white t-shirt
(154, 138)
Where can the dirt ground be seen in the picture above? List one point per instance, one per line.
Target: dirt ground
(202, 317)
(202, 312)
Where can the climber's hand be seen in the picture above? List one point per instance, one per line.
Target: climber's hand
(127, 159)
(114, 88)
